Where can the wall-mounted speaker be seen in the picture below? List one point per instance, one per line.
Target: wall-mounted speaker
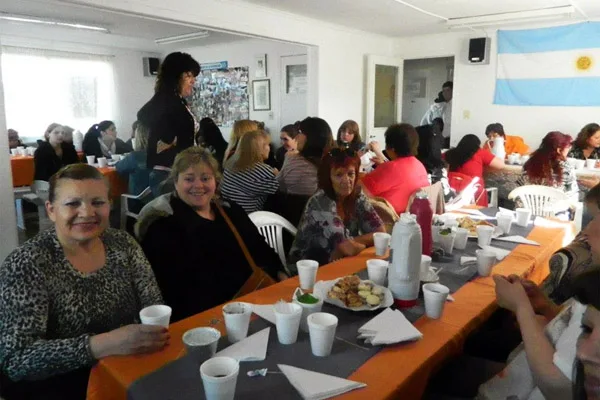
(479, 50)
(151, 65)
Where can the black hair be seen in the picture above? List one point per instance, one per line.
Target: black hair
(171, 69)
(319, 138)
(495, 127)
(429, 151)
(448, 84)
(96, 129)
(439, 122)
(291, 130)
(77, 172)
(397, 138)
(463, 152)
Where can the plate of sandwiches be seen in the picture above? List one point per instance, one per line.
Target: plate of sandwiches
(472, 224)
(352, 293)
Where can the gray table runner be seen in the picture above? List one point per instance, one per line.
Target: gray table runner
(180, 379)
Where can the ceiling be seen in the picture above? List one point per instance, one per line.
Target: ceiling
(392, 18)
(117, 24)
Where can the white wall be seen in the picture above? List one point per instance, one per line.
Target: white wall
(474, 87)
(242, 54)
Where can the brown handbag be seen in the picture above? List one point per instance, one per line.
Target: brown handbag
(259, 278)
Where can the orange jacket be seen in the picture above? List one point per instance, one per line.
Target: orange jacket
(512, 144)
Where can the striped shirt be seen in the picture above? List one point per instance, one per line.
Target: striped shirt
(249, 188)
(298, 176)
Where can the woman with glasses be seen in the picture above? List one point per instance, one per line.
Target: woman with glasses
(338, 220)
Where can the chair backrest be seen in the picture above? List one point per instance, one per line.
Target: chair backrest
(541, 200)
(385, 211)
(41, 189)
(127, 211)
(271, 226)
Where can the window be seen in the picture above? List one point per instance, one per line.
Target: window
(42, 87)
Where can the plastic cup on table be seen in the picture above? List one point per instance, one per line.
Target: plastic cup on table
(219, 378)
(157, 314)
(237, 320)
(435, 296)
(382, 242)
(523, 216)
(579, 164)
(484, 235)
(462, 236)
(307, 309)
(590, 163)
(201, 343)
(485, 261)
(287, 321)
(447, 242)
(321, 328)
(377, 270)
(425, 264)
(505, 221)
(307, 273)
(14, 152)
(21, 151)
(116, 157)
(435, 233)
(91, 159)
(102, 162)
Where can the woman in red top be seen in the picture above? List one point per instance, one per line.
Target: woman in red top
(467, 160)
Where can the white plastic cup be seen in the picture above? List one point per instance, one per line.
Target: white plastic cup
(485, 261)
(201, 343)
(450, 223)
(435, 296)
(237, 320)
(447, 242)
(157, 314)
(287, 321)
(90, 159)
(462, 236)
(116, 157)
(425, 264)
(505, 221)
(435, 233)
(102, 162)
(307, 309)
(579, 164)
(377, 270)
(21, 151)
(484, 235)
(219, 377)
(307, 273)
(30, 151)
(14, 152)
(523, 216)
(321, 328)
(382, 242)
(590, 163)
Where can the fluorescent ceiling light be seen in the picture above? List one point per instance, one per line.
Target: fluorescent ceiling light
(513, 17)
(182, 38)
(44, 21)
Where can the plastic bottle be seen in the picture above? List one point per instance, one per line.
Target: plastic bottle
(498, 148)
(405, 265)
(421, 208)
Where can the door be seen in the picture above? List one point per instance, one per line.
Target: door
(384, 95)
(416, 94)
(294, 87)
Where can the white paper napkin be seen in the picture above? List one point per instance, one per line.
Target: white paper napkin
(517, 239)
(265, 311)
(390, 326)
(466, 259)
(500, 253)
(253, 348)
(316, 386)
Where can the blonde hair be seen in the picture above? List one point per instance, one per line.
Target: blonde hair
(191, 157)
(249, 150)
(141, 137)
(239, 129)
(50, 128)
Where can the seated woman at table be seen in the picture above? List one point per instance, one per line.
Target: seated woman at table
(248, 181)
(13, 139)
(287, 136)
(53, 153)
(190, 239)
(210, 137)
(338, 220)
(398, 179)
(468, 160)
(587, 143)
(134, 165)
(548, 165)
(72, 294)
(512, 144)
(240, 127)
(348, 136)
(298, 175)
(96, 139)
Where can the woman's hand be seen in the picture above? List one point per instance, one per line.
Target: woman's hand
(539, 301)
(375, 147)
(162, 146)
(588, 182)
(275, 171)
(510, 293)
(130, 339)
(347, 248)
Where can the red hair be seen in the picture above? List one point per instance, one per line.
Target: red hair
(339, 158)
(544, 165)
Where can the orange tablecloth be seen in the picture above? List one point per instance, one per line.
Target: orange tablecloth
(118, 185)
(400, 371)
(22, 170)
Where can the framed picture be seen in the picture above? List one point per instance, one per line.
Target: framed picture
(261, 66)
(261, 95)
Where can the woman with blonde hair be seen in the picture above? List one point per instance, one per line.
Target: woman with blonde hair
(239, 128)
(247, 180)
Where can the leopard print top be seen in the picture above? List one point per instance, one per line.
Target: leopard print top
(48, 309)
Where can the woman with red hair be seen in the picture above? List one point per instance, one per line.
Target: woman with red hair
(338, 220)
(548, 165)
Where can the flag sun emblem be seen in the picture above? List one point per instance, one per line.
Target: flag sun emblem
(584, 63)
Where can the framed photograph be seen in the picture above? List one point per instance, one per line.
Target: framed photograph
(260, 66)
(261, 95)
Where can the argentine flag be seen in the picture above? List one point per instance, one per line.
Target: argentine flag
(557, 66)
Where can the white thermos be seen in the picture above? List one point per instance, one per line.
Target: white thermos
(498, 148)
(405, 264)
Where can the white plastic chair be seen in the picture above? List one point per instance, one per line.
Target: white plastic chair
(271, 226)
(125, 212)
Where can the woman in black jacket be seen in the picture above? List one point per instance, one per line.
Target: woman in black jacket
(53, 153)
(211, 138)
(93, 141)
(171, 123)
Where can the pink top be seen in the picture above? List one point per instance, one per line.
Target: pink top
(396, 181)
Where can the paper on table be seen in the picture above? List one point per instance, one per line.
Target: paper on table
(390, 326)
(500, 253)
(253, 348)
(517, 239)
(466, 259)
(472, 216)
(265, 311)
(316, 386)
(471, 211)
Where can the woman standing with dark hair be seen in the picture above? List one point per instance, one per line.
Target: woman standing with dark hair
(171, 123)
(348, 135)
(299, 172)
(587, 144)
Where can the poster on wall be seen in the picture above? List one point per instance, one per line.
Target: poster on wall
(222, 94)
